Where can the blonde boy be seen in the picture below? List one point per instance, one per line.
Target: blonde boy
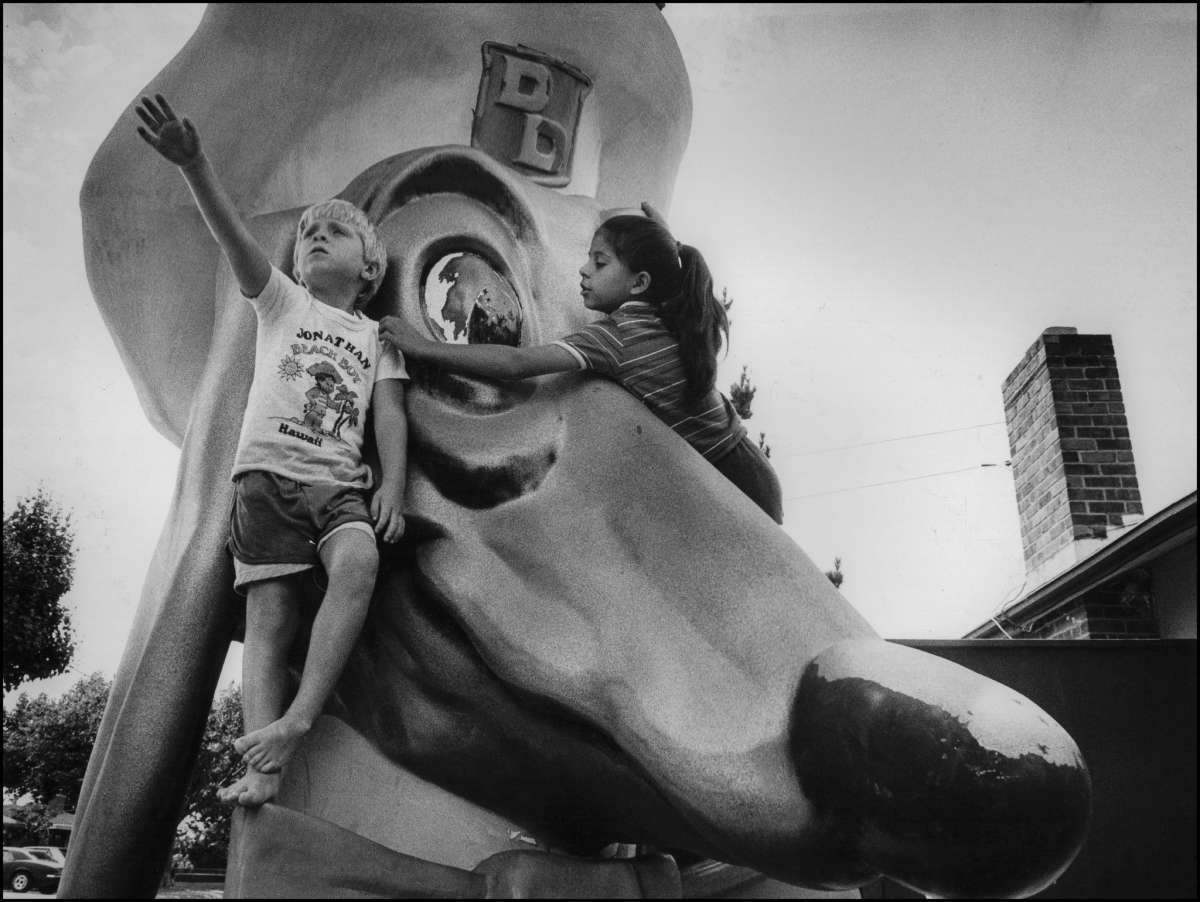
(302, 489)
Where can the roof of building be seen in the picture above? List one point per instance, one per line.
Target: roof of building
(1152, 538)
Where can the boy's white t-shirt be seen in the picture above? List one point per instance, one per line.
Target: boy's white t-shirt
(315, 368)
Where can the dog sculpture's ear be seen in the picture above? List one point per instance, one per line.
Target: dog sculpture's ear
(152, 265)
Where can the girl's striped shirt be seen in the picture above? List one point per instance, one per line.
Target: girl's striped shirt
(633, 347)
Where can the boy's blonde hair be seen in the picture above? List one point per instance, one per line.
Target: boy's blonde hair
(345, 212)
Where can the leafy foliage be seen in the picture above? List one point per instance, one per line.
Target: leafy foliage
(762, 444)
(835, 575)
(39, 565)
(47, 743)
(36, 820)
(203, 834)
(741, 394)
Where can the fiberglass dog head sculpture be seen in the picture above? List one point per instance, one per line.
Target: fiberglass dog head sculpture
(591, 632)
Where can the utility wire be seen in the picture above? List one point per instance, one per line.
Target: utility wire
(1007, 634)
(1002, 612)
(1010, 598)
(874, 485)
(884, 441)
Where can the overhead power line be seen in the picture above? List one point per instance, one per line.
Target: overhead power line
(873, 485)
(898, 438)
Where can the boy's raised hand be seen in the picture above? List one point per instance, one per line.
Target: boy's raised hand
(175, 139)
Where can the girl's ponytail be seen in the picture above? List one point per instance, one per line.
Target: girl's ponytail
(681, 288)
(697, 320)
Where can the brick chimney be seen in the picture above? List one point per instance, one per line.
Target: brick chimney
(1072, 458)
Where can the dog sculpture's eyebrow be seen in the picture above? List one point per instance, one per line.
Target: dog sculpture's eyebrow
(470, 472)
(450, 173)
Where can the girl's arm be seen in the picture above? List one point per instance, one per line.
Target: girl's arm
(490, 361)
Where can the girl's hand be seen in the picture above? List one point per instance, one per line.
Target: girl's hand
(655, 215)
(176, 140)
(400, 335)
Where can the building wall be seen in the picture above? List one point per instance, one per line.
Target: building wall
(1157, 600)
(1175, 592)
(1131, 708)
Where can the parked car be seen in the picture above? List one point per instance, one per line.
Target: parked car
(24, 871)
(48, 853)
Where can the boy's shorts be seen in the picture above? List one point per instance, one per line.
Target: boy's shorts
(278, 525)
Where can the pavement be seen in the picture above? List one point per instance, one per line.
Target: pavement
(179, 891)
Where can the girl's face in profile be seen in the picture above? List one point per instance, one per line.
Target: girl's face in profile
(607, 283)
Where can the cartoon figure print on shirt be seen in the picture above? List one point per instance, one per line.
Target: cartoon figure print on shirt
(346, 411)
(329, 404)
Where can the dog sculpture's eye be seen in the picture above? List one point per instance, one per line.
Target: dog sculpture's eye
(467, 300)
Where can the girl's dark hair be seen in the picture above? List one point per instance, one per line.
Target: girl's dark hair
(681, 288)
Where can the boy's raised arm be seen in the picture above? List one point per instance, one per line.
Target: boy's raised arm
(178, 141)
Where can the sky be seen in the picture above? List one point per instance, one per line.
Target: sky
(899, 199)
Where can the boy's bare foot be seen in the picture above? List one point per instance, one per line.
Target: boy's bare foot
(270, 748)
(251, 790)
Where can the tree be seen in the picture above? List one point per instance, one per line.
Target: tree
(35, 819)
(741, 394)
(39, 565)
(47, 744)
(762, 444)
(203, 833)
(835, 575)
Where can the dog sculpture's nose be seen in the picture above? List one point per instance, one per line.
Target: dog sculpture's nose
(944, 780)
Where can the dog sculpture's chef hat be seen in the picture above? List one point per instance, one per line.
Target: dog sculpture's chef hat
(589, 99)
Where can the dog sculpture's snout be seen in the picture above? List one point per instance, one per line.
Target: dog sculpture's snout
(961, 798)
